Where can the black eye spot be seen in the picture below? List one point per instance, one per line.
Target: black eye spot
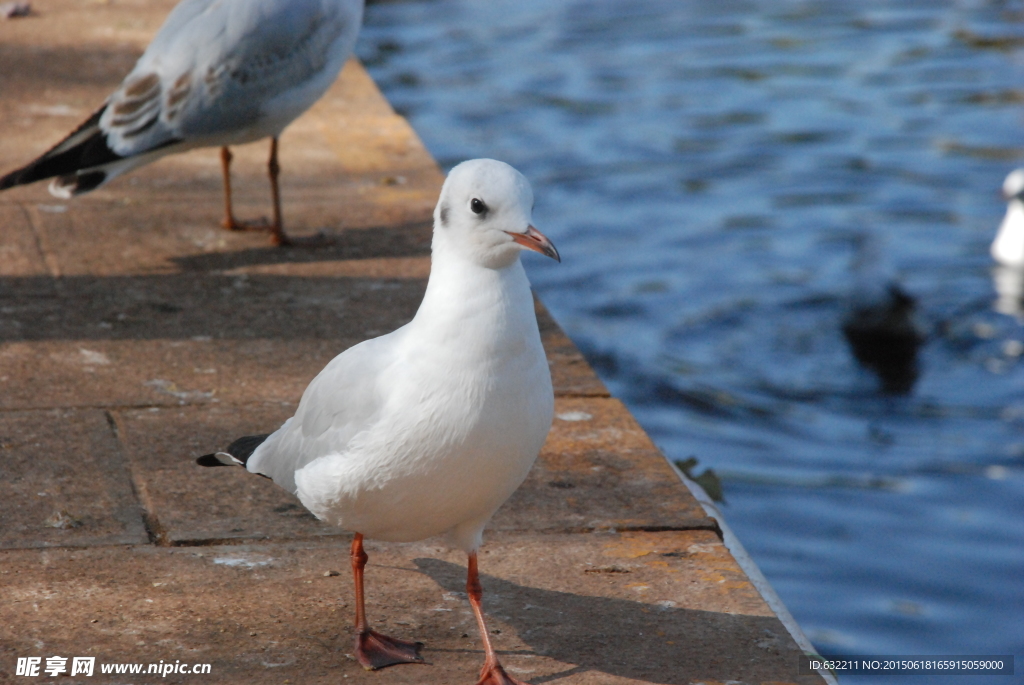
(477, 206)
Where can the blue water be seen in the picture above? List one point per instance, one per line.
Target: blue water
(724, 181)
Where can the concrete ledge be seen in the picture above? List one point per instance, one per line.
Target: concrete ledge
(136, 335)
(600, 608)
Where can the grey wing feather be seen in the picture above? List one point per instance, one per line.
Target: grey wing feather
(341, 402)
(183, 13)
(215, 64)
(135, 108)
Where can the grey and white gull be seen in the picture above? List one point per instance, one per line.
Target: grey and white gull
(427, 430)
(218, 73)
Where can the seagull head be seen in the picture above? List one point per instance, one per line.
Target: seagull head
(1013, 186)
(485, 215)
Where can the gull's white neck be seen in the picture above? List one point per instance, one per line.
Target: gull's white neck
(476, 308)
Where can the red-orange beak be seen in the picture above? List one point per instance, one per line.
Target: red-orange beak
(536, 241)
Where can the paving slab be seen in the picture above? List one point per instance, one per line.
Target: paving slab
(129, 341)
(135, 335)
(597, 471)
(20, 256)
(597, 608)
(64, 482)
(190, 504)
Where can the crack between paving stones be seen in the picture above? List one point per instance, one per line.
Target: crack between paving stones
(50, 259)
(154, 530)
(159, 536)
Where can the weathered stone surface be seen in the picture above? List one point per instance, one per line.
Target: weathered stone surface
(190, 504)
(19, 253)
(64, 482)
(608, 608)
(599, 471)
(209, 337)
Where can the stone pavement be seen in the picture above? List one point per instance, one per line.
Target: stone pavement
(136, 335)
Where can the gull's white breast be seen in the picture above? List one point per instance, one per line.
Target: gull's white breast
(460, 405)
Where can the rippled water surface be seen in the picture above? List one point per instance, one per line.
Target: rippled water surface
(725, 180)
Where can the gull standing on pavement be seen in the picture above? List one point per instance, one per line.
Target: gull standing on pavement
(429, 429)
(218, 73)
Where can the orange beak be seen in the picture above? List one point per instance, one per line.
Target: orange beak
(536, 241)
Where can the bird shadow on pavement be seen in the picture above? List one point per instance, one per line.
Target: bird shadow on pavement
(404, 240)
(216, 305)
(631, 639)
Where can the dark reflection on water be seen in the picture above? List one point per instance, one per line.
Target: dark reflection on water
(727, 182)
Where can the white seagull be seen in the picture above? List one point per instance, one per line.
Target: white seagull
(429, 429)
(1008, 247)
(218, 73)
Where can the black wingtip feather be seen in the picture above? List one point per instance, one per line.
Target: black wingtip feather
(10, 180)
(243, 448)
(90, 152)
(240, 450)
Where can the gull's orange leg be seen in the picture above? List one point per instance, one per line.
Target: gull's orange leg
(492, 673)
(277, 235)
(230, 222)
(229, 216)
(374, 650)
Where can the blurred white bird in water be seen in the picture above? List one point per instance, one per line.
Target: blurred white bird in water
(1008, 247)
